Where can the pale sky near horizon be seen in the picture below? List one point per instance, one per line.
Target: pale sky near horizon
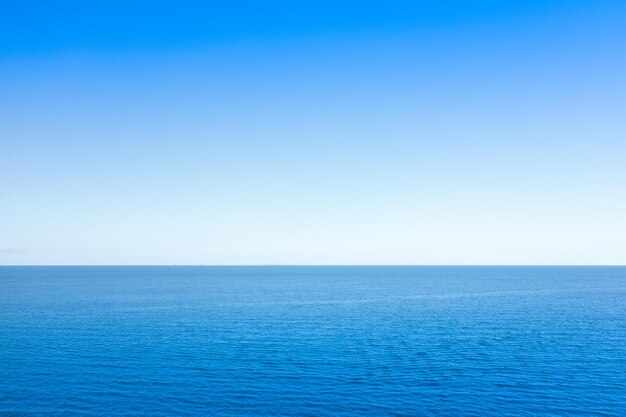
(424, 132)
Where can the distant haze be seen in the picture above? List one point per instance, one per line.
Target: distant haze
(423, 132)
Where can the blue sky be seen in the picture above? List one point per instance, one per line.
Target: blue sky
(423, 132)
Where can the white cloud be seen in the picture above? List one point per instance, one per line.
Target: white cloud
(6, 249)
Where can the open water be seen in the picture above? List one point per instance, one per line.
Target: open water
(313, 341)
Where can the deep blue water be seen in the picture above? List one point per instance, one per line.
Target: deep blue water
(313, 341)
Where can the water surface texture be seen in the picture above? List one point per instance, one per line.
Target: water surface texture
(313, 341)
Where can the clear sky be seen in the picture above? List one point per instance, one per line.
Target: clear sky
(313, 132)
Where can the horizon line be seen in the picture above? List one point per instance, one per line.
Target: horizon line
(314, 265)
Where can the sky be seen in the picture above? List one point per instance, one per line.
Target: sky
(313, 132)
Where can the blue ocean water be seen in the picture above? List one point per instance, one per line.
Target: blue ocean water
(313, 341)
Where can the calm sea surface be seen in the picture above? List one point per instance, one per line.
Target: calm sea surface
(313, 341)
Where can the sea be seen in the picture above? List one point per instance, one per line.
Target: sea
(313, 341)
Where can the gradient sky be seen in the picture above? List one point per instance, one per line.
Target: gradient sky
(313, 132)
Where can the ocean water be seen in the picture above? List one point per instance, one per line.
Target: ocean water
(312, 341)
